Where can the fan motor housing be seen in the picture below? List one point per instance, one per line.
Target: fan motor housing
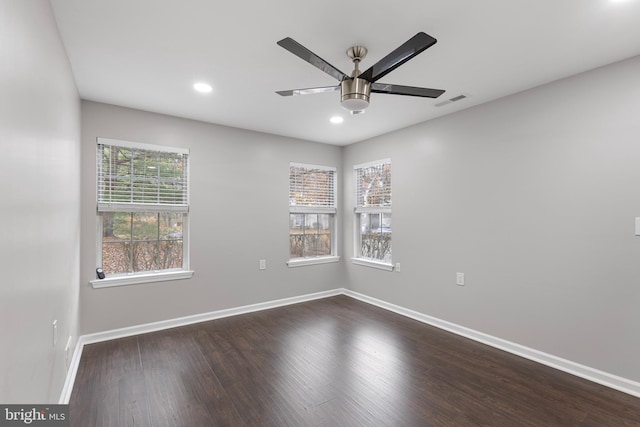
(354, 93)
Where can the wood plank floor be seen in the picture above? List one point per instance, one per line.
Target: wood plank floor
(330, 362)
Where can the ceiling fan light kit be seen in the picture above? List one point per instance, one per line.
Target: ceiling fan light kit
(355, 90)
(354, 94)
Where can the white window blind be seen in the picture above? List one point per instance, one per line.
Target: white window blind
(141, 177)
(373, 185)
(312, 188)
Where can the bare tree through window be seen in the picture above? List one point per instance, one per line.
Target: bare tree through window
(373, 210)
(312, 210)
(143, 205)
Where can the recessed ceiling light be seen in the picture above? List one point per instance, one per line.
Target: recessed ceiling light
(203, 87)
(336, 119)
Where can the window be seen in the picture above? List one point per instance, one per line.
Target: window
(143, 210)
(373, 214)
(312, 211)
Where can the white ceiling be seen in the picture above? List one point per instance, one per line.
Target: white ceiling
(147, 54)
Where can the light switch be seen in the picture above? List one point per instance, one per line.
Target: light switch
(637, 226)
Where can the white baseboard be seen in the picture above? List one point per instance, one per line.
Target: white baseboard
(604, 378)
(71, 373)
(203, 317)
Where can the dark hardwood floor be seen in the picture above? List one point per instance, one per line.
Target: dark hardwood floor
(330, 362)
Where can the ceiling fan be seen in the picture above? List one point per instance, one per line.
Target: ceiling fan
(356, 89)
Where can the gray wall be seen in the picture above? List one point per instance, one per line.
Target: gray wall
(533, 197)
(239, 215)
(39, 171)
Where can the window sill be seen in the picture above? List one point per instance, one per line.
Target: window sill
(371, 263)
(301, 262)
(135, 279)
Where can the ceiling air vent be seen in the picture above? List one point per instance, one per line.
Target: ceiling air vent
(454, 99)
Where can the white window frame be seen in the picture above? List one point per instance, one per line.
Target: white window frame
(332, 210)
(358, 259)
(146, 276)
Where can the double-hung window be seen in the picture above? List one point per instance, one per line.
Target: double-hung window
(373, 214)
(143, 212)
(312, 214)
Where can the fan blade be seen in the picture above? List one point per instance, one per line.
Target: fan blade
(410, 49)
(302, 52)
(406, 90)
(309, 91)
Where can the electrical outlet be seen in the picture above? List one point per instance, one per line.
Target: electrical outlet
(460, 279)
(263, 264)
(55, 332)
